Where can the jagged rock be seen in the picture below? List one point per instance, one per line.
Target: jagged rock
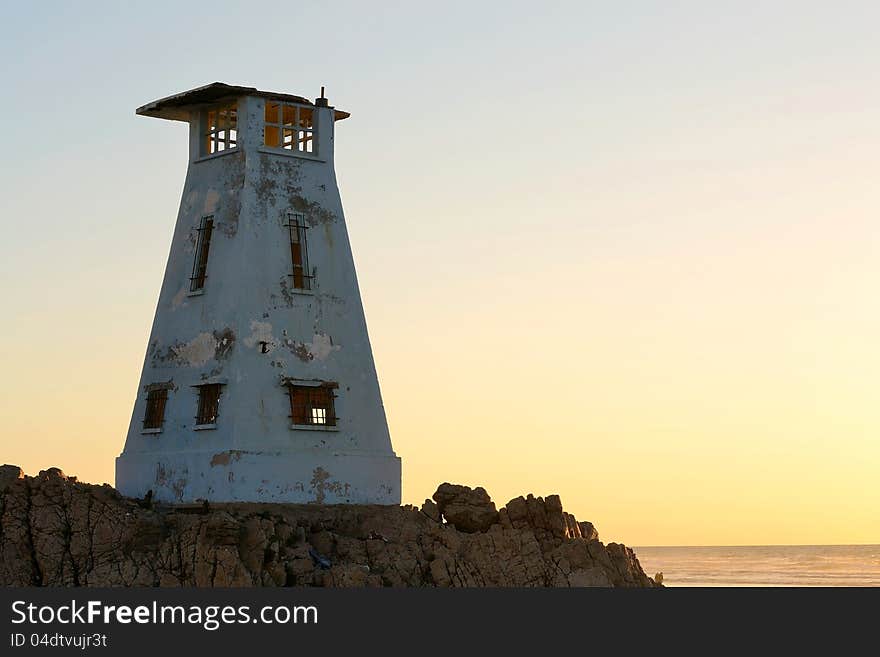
(10, 474)
(467, 509)
(55, 531)
(430, 509)
(53, 473)
(588, 531)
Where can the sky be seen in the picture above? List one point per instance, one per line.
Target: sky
(622, 252)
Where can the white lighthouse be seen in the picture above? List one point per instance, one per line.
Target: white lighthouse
(259, 382)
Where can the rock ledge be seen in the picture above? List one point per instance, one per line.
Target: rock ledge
(56, 531)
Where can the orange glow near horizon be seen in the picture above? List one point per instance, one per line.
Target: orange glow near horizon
(627, 257)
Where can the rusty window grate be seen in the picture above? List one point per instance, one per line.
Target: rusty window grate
(200, 264)
(312, 405)
(289, 127)
(221, 129)
(155, 414)
(209, 403)
(299, 252)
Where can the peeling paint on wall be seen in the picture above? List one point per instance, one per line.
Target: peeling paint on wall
(285, 291)
(227, 457)
(225, 341)
(199, 351)
(272, 170)
(261, 332)
(299, 350)
(322, 346)
(319, 348)
(315, 213)
(179, 486)
(321, 485)
(165, 479)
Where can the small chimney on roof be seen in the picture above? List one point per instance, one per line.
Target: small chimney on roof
(321, 102)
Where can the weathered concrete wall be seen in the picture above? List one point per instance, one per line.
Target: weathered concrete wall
(267, 476)
(248, 299)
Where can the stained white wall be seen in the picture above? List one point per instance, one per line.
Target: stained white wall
(254, 454)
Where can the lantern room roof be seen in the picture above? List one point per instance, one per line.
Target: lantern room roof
(178, 106)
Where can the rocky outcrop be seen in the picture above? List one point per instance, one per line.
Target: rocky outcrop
(55, 531)
(467, 509)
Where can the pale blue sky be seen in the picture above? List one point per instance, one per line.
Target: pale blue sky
(669, 208)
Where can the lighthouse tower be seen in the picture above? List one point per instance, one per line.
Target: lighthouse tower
(258, 383)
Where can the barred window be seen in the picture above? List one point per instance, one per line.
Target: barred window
(299, 252)
(312, 405)
(200, 264)
(289, 127)
(209, 403)
(155, 413)
(221, 129)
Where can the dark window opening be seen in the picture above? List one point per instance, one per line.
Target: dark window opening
(312, 405)
(155, 414)
(209, 403)
(299, 252)
(203, 244)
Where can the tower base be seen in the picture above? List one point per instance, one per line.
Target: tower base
(307, 476)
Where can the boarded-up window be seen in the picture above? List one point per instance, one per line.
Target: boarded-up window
(221, 129)
(312, 405)
(289, 127)
(299, 252)
(209, 403)
(155, 413)
(203, 245)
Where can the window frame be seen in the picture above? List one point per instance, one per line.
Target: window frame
(199, 277)
(202, 402)
(311, 390)
(300, 273)
(303, 136)
(215, 132)
(154, 420)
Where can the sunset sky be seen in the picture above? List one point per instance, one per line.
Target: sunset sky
(624, 252)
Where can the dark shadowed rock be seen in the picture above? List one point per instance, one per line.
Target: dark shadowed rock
(467, 509)
(430, 509)
(10, 474)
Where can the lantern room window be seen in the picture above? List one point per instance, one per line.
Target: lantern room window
(289, 127)
(221, 129)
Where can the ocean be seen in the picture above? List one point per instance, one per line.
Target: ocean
(764, 565)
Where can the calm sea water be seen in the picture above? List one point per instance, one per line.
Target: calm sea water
(764, 565)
